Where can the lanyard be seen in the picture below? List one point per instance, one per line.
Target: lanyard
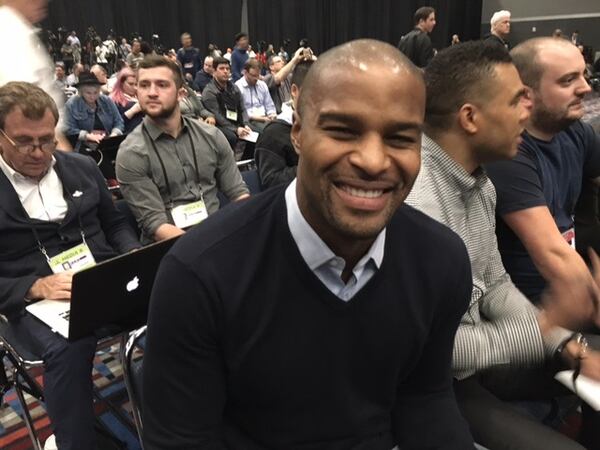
(164, 170)
(41, 247)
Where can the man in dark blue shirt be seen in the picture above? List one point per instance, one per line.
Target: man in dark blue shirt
(239, 55)
(189, 57)
(334, 327)
(538, 190)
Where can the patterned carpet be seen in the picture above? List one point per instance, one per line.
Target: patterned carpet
(111, 406)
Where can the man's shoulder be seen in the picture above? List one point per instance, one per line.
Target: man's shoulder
(209, 131)
(210, 88)
(134, 142)
(422, 231)
(68, 158)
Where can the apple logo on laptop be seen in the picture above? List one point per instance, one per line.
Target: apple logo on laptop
(133, 284)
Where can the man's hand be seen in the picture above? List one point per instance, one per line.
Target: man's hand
(590, 365)
(573, 304)
(243, 131)
(53, 287)
(93, 137)
(210, 120)
(188, 76)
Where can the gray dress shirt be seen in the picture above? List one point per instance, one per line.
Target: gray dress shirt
(143, 184)
(500, 326)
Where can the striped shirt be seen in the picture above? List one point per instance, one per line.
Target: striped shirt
(500, 326)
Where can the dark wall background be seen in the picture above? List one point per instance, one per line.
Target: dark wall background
(327, 23)
(208, 21)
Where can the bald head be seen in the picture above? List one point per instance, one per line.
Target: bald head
(530, 57)
(364, 55)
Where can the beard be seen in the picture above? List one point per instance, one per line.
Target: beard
(163, 113)
(551, 121)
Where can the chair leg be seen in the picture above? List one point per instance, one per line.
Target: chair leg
(27, 418)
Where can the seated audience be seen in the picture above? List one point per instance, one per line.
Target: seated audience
(320, 315)
(73, 78)
(475, 112)
(275, 156)
(258, 105)
(102, 76)
(205, 75)
(171, 167)
(191, 105)
(89, 115)
(60, 77)
(124, 96)
(136, 55)
(43, 218)
(223, 99)
(278, 79)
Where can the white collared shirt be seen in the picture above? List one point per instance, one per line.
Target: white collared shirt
(42, 200)
(322, 261)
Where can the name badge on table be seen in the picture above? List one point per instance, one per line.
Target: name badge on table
(190, 214)
(188, 65)
(231, 115)
(569, 236)
(257, 111)
(76, 258)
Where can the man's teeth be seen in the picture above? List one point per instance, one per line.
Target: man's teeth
(363, 193)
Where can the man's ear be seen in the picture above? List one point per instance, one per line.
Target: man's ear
(468, 117)
(182, 93)
(295, 133)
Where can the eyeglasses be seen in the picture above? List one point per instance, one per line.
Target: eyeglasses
(25, 149)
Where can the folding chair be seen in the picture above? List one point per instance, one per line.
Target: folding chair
(17, 377)
(132, 375)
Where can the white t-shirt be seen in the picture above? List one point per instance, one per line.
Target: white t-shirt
(23, 55)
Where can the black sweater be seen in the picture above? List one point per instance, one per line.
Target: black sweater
(275, 156)
(248, 350)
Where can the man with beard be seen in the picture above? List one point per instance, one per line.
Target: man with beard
(170, 167)
(537, 190)
(318, 315)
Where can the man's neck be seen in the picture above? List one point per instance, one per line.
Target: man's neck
(499, 36)
(219, 84)
(169, 125)
(351, 251)
(421, 27)
(539, 133)
(457, 149)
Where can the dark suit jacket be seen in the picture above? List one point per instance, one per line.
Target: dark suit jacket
(107, 232)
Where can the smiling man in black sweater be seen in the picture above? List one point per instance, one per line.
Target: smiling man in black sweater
(321, 315)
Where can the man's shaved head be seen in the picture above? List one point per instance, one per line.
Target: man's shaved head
(364, 55)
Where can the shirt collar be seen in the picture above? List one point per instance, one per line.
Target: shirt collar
(455, 173)
(312, 248)
(155, 132)
(12, 174)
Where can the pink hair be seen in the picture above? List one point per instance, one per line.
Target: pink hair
(117, 94)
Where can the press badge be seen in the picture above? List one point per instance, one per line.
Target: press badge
(257, 111)
(76, 258)
(231, 115)
(190, 214)
(569, 236)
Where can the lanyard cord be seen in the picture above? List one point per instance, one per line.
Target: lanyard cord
(39, 241)
(164, 170)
